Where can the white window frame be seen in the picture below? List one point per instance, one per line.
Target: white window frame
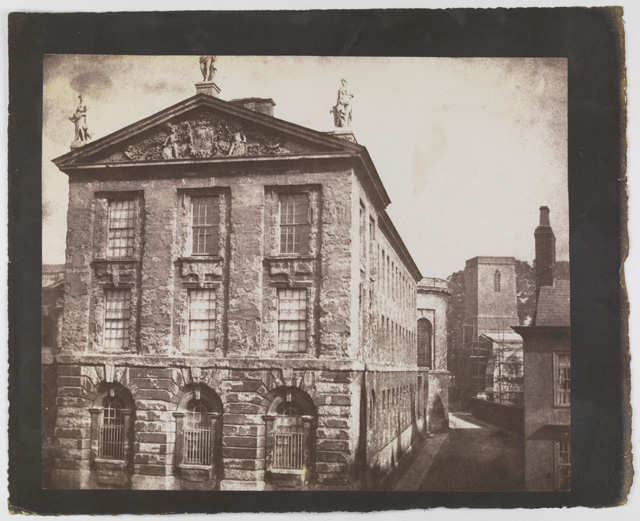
(116, 342)
(559, 464)
(116, 232)
(210, 222)
(209, 314)
(561, 397)
(295, 234)
(292, 316)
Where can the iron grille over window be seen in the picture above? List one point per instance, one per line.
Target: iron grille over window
(563, 464)
(294, 223)
(288, 438)
(117, 318)
(292, 320)
(202, 319)
(496, 282)
(197, 434)
(562, 379)
(121, 228)
(112, 431)
(205, 220)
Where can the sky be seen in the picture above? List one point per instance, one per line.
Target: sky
(467, 148)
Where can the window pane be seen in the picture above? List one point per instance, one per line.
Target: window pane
(197, 434)
(294, 223)
(563, 465)
(563, 379)
(205, 220)
(202, 318)
(117, 317)
(112, 430)
(292, 320)
(121, 228)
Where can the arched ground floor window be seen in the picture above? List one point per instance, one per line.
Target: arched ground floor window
(112, 436)
(290, 421)
(198, 436)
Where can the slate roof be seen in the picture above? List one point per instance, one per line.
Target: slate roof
(553, 305)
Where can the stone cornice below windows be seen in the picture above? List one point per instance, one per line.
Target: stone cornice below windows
(138, 360)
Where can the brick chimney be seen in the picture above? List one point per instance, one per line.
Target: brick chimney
(545, 250)
(262, 105)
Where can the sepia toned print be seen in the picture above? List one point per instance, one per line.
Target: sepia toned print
(228, 304)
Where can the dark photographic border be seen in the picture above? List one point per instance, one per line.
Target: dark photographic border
(591, 39)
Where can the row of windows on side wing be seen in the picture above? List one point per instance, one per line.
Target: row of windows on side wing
(294, 234)
(292, 319)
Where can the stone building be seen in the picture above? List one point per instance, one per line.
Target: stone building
(51, 329)
(491, 365)
(547, 373)
(433, 297)
(239, 310)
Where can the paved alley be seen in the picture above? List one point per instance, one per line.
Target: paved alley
(476, 457)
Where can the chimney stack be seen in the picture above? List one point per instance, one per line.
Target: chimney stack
(262, 105)
(545, 250)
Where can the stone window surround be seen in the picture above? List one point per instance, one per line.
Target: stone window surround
(272, 228)
(101, 226)
(201, 271)
(98, 311)
(184, 219)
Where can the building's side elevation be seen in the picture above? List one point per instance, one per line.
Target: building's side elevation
(433, 301)
(547, 374)
(240, 312)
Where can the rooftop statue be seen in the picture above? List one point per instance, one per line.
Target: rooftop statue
(207, 67)
(342, 109)
(79, 118)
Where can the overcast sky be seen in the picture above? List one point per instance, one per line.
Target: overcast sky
(468, 149)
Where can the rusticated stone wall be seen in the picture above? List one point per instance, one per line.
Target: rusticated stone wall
(241, 459)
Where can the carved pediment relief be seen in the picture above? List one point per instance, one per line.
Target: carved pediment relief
(202, 134)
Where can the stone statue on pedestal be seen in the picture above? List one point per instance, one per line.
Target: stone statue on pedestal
(207, 67)
(342, 109)
(79, 118)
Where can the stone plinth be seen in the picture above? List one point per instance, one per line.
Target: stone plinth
(209, 88)
(343, 133)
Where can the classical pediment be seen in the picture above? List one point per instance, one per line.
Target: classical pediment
(200, 128)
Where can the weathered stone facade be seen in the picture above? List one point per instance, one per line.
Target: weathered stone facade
(141, 404)
(432, 302)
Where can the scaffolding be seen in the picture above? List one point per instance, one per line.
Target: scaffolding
(492, 361)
